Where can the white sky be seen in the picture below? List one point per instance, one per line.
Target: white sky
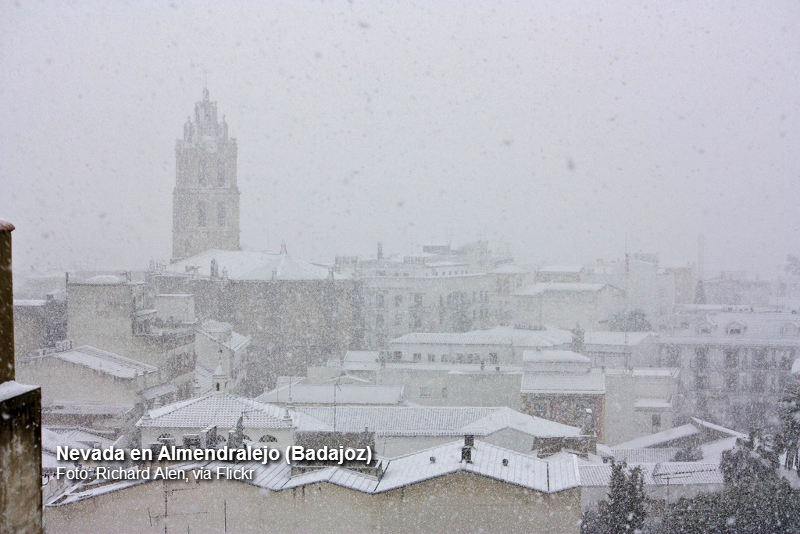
(555, 127)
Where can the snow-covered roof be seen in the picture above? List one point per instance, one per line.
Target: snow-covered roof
(29, 302)
(615, 338)
(645, 455)
(671, 434)
(652, 404)
(203, 380)
(553, 356)
(368, 356)
(330, 393)
(110, 409)
(768, 329)
(103, 361)
(215, 331)
(564, 383)
(102, 280)
(657, 474)
(72, 436)
(500, 335)
(158, 391)
(560, 269)
(435, 421)
(712, 451)
(491, 461)
(796, 366)
(249, 265)
(656, 373)
(558, 287)
(12, 388)
(510, 268)
(222, 410)
(665, 436)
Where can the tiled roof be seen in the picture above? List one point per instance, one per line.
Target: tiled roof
(103, 361)
(564, 383)
(658, 474)
(646, 455)
(222, 410)
(435, 421)
(545, 476)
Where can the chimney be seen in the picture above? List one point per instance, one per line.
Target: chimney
(466, 450)
(380, 251)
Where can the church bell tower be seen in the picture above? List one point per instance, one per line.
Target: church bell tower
(205, 202)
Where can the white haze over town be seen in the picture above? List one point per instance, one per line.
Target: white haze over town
(553, 127)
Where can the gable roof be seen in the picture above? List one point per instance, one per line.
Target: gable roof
(545, 476)
(222, 410)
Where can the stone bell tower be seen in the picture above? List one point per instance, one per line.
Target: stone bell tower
(205, 202)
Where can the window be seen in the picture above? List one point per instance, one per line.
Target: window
(731, 358)
(201, 214)
(379, 321)
(431, 358)
(540, 409)
(579, 411)
(417, 299)
(760, 359)
(398, 301)
(222, 219)
(656, 421)
(673, 358)
(201, 172)
(398, 319)
(425, 391)
(492, 358)
(397, 355)
(732, 381)
(417, 356)
(379, 300)
(221, 174)
(701, 357)
(701, 382)
(444, 393)
(758, 382)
